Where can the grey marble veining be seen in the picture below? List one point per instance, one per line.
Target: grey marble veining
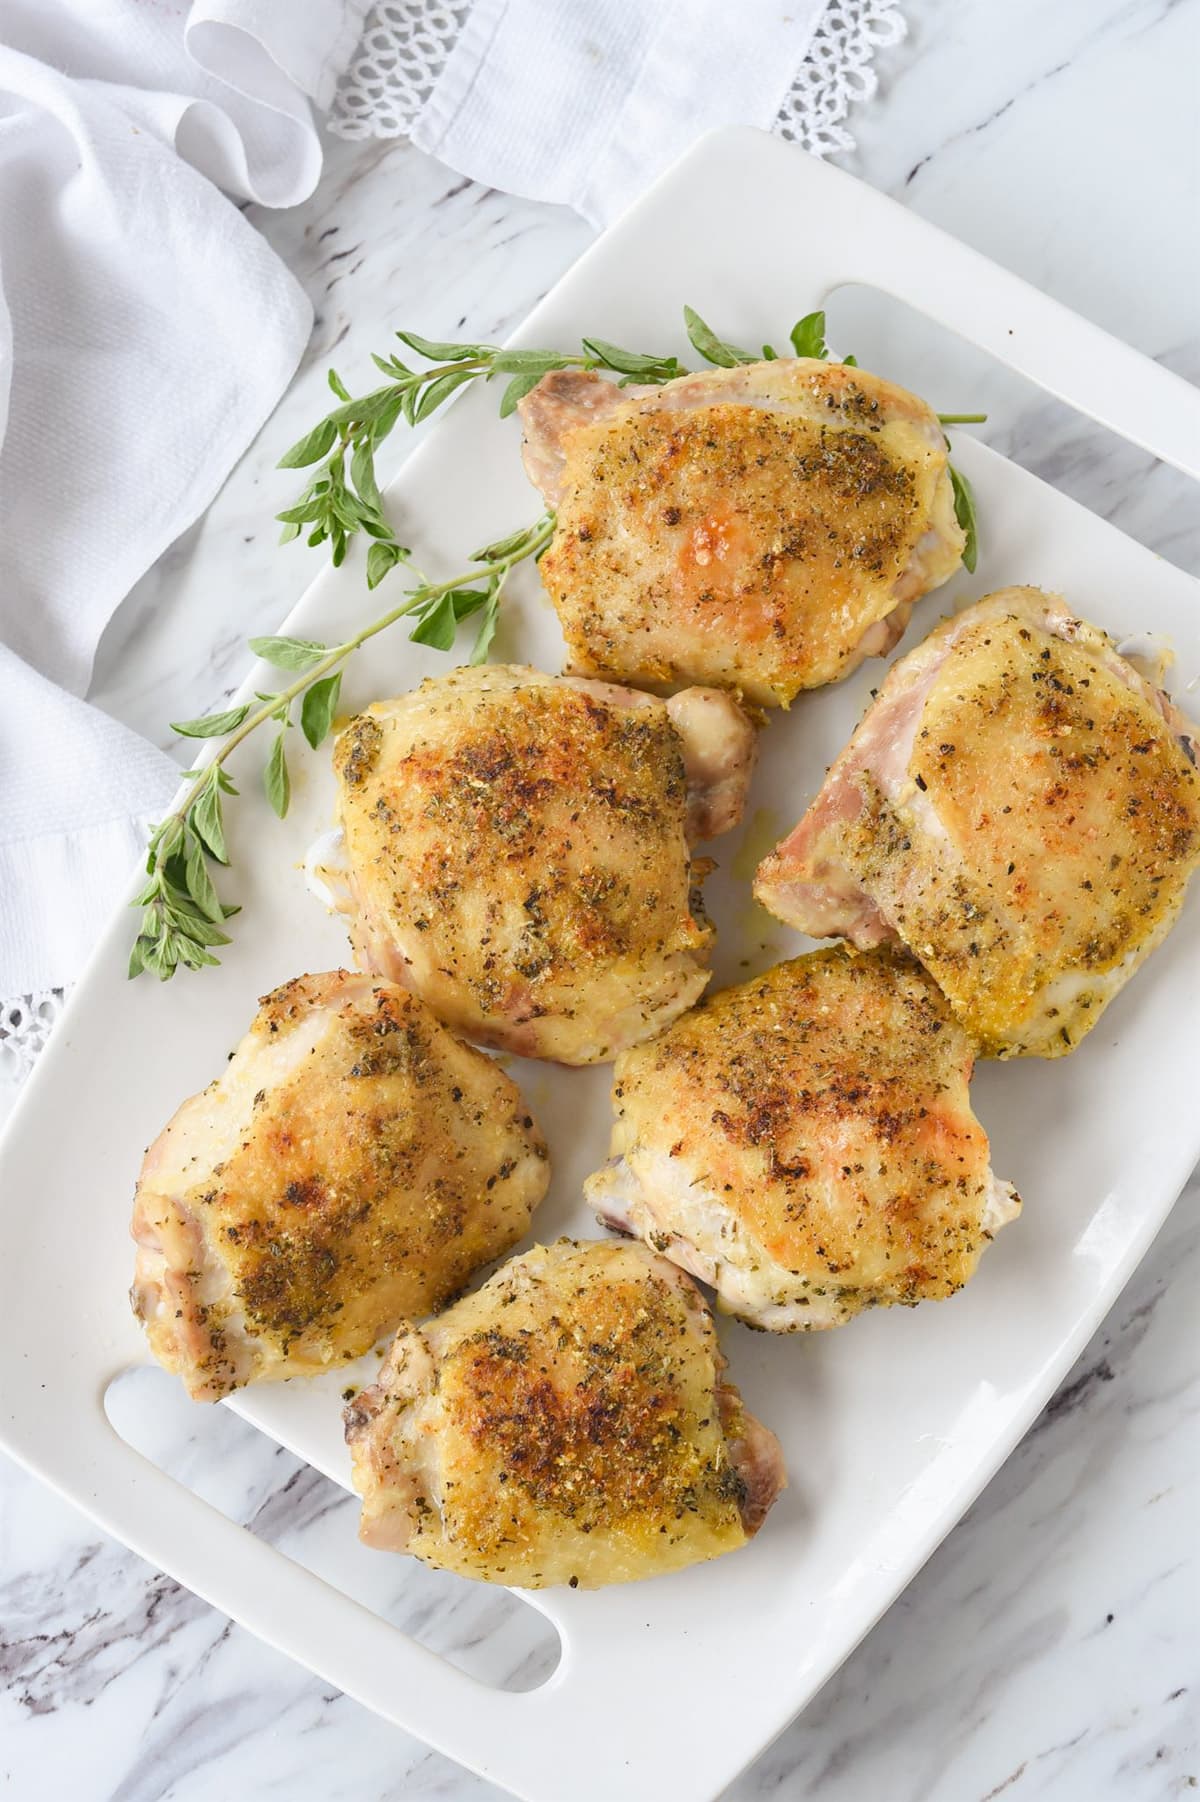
(1048, 1649)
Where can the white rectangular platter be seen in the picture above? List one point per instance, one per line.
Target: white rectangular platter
(890, 1426)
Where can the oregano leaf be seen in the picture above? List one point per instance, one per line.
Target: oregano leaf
(487, 629)
(200, 883)
(517, 389)
(212, 725)
(381, 559)
(440, 390)
(318, 707)
(965, 514)
(289, 653)
(438, 626)
(206, 821)
(711, 348)
(362, 474)
(312, 447)
(808, 337)
(276, 781)
(442, 353)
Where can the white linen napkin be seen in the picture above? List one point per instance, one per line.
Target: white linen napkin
(146, 332)
(582, 102)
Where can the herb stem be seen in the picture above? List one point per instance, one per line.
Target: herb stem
(962, 418)
(418, 597)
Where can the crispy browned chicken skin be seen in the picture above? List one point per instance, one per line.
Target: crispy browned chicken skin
(568, 1423)
(1020, 808)
(353, 1164)
(517, 851)
(763, 528)
(805, 1143)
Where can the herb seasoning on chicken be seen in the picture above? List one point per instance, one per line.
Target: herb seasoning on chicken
(1020, 808)
(352, 1165)
(569, 1423)
(764, 528)
(516, 849)
(805, 1143)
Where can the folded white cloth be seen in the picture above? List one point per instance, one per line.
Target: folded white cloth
(585, 104)
(146, 332)
(77, 793)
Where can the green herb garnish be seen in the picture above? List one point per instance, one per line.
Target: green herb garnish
(964, 513)
(343, 497)
(714, 349)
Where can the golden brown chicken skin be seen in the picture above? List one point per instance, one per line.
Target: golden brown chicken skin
(569, 1423)
(352, 1165)
(762, 528)
(805, 1143)
(1020, 808)
(517, 851)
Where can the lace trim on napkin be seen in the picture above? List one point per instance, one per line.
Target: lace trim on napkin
(392, 74)
(837, 74)
(25, 1025)
(403, 50)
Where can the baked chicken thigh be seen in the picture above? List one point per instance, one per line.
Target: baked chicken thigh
(568, 1423)
(353, 1164)
(516, 849)
(762, 528)
(1020, 808)
(805, 1143)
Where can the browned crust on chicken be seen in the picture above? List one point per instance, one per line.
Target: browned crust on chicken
(805, 1142)
(518, 855)
(352, 1165)
(567, 1424)
(1020, 808)
(762, 528)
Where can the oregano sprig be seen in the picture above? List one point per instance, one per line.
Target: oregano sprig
(182, 915)
(343, 496)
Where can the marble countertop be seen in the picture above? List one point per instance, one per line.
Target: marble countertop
(1049, 1647)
